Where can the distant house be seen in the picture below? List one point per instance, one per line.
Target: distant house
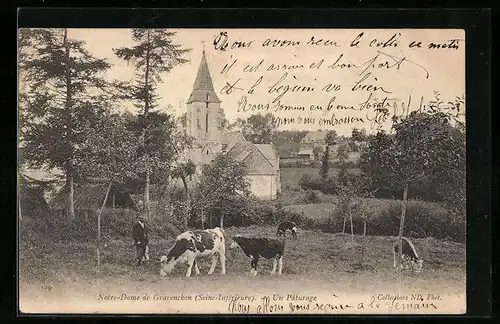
(313, 139)
(88, 198)
(261, 163)
(31, 200)
(306, 153)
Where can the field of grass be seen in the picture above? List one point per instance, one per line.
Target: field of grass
(63, 277)
(290, 176)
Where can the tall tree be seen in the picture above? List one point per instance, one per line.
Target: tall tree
(62, 81)
(323, 172)
(153, 54)
(221, 181)
(425, 145)
(331, 137)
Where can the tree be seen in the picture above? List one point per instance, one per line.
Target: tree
(331, 137)
(342, 153)
(370, 161)
(183, 171)
(223, 179)
(316, 152)
(224, 123)
(63, 84)
(323, 172)
(257, 128)
(358, 135)
(153, 54)
(425, 144)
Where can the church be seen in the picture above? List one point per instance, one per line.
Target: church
(204, 124)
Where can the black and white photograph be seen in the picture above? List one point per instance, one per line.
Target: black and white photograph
(241, 171)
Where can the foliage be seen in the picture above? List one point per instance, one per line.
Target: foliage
(153, 54)
(324, 163)
(222, 182)
(311, 197)
(257, 128)
(316, 152)
(331, 137)
(63, 84)
(358, 135)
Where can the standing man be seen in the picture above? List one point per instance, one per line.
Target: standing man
(140, 236)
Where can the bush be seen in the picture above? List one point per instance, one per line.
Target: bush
(311, 197)
(423, 219)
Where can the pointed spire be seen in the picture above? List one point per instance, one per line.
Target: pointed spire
(203, 87)
(203, 79)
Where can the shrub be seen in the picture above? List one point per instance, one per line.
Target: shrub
(423, 219)
(311, 197)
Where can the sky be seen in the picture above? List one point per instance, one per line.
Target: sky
(300, 84)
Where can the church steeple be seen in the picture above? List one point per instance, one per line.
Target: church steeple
(203, 88)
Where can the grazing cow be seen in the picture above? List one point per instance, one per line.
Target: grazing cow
(409, 257)
(192, 245)
(287, 225)
(257, 247)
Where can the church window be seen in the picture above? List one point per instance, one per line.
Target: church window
(198, 122)
(206, 122)
(207, 152)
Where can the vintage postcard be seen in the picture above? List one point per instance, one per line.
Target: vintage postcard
(242, 171)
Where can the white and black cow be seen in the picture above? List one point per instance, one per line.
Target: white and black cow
(192, 245)
(409, 257)
(257, 247)
(285, 226)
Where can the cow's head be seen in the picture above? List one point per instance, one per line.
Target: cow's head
(417, 265)
(167, 264)
(235, 244)
(175, 255)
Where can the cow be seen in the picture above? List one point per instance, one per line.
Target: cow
(192, 245)
(409, 257)
(287, 225)
(256, 247)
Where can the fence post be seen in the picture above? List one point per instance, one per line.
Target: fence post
(99, 226)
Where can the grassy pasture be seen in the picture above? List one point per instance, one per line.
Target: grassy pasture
(315, 263)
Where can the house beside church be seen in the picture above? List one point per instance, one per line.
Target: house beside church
(204, 124)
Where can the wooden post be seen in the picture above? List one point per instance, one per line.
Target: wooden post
(202, 218)
(99, 226)
(352, 229)
(400, 236)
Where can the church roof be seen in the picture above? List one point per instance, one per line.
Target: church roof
(269, 152)
(203, 88)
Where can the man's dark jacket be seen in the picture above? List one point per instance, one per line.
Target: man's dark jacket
(140, 234)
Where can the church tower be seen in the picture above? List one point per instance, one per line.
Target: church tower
(204, 117)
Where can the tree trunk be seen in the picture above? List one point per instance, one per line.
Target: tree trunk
(222, 220)
(146, 111)
(99, 227)
(364, 229)
(352, 229)
(69, 124)
(146, 195)
(343, 225)
(186, 189)
(401, 225)
(71, 202)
